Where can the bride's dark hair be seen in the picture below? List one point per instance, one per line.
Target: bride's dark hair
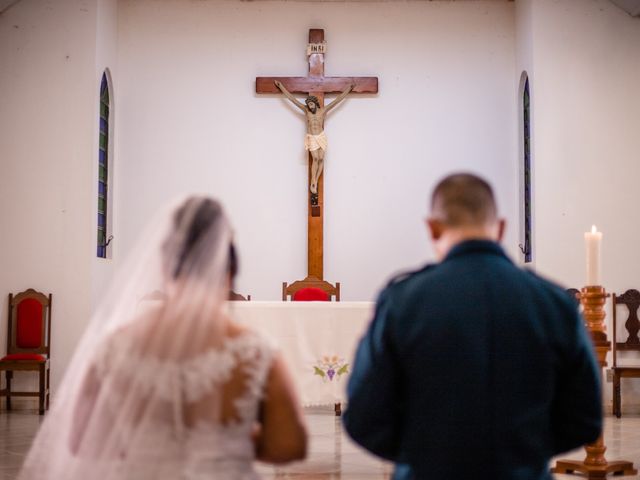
(198, 217)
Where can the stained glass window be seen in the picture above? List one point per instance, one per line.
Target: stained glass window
(527, 248)
(103, 167)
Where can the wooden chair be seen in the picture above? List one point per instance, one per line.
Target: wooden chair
(630, 298)
(237, 297)
(310, 289)
(28, 343)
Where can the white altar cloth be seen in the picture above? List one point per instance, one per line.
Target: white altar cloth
(318, 341)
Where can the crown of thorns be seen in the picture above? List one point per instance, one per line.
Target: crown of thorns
(312, 98)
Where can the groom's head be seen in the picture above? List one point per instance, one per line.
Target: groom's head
(462, 208)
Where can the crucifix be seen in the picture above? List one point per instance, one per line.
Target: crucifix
(315, 86)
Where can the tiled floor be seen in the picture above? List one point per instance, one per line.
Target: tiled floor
(622, 438)
(17, 429)
(332, 455)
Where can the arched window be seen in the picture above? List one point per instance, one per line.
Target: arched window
(103, 169)
(526, 246)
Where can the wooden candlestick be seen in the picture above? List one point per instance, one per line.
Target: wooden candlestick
(595, 465)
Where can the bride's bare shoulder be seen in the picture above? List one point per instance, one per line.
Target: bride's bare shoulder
(235, 329)
(141, 322)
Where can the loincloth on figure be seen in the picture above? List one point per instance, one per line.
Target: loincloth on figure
(315, 142)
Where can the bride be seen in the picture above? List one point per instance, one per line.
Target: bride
(164, 385)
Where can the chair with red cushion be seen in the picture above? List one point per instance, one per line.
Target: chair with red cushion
(310, 289)
(28, 342)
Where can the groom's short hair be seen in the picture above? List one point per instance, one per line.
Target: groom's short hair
(463, 199)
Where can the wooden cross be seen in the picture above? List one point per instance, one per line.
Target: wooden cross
(316, 84)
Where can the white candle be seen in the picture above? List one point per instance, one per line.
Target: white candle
(592, 241)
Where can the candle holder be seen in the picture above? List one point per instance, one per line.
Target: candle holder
(595, 465)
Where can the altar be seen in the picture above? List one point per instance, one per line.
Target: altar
(317, 339)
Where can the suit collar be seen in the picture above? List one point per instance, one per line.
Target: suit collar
(475, 246)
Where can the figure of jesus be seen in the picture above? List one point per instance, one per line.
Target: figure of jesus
(315, 141)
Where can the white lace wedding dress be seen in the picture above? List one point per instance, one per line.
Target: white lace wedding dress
(162, 386)
(166, 448)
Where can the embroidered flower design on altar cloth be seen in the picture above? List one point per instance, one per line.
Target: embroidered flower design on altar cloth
(330, 368)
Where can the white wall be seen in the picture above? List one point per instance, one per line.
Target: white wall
(586, 119)
(189, 121)
(47, 118)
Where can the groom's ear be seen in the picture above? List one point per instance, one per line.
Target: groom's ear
(435, 228)
(502, 223)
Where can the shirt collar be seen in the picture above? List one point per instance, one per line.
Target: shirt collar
(475, 246)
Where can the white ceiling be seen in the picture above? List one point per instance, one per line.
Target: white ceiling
(632, 7)
(5, 4)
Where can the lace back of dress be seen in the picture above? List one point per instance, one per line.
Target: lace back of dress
(239, 370)
(219, 387)
(245, 387)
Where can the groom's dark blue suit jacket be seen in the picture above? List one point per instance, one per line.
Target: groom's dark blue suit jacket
(474, 369)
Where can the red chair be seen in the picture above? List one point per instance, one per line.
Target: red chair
(28, 341)
(310, 289)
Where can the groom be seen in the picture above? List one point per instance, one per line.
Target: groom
(473, 368)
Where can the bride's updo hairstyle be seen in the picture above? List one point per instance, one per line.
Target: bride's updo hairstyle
(197, 228)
